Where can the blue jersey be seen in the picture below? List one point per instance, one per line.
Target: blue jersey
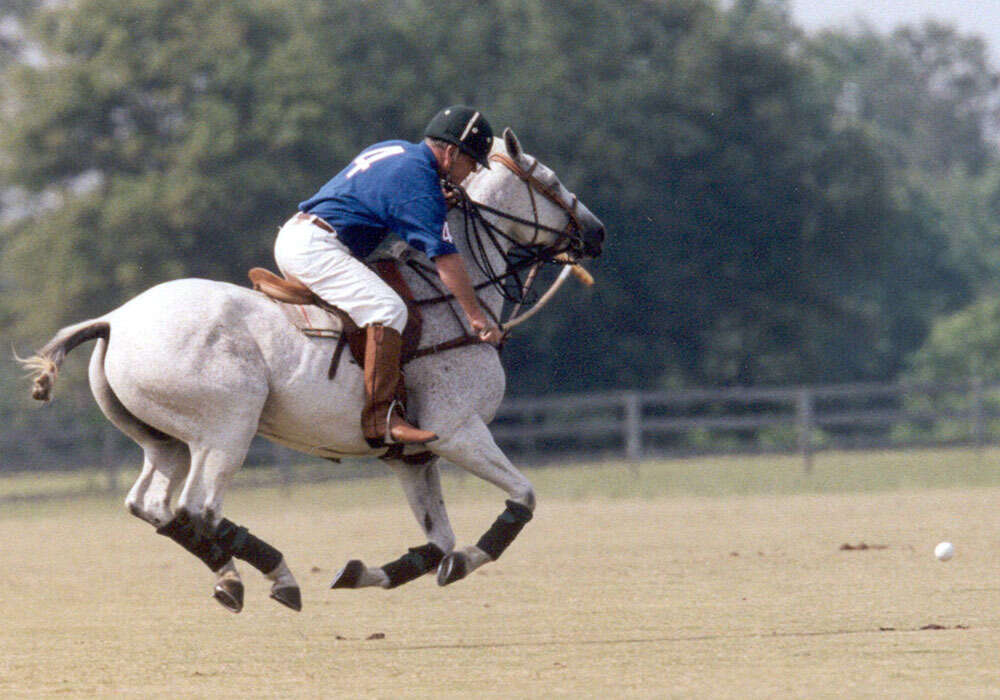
(391, 186)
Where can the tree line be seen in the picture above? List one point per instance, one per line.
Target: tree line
(781, 207)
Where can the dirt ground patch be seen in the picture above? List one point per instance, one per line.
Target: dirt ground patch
(676, 596)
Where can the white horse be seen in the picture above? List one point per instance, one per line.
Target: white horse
(193, 369)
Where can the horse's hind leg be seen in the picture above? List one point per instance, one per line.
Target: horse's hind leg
(472, 447)
(165, 460)
(165, 464)
(422, 484)
(214, 539)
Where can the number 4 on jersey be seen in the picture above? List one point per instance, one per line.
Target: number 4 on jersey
(366, 159)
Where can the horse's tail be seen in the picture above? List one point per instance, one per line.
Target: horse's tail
(44, 365)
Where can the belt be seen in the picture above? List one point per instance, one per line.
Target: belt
(315, 221)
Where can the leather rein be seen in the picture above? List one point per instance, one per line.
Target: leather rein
(534, 259)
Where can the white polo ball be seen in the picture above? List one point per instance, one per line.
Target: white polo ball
(944, 551)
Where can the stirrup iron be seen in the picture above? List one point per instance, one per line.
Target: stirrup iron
(387, 438)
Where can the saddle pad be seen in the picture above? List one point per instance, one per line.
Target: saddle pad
(312, 320)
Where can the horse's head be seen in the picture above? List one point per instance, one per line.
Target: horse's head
(538, 210)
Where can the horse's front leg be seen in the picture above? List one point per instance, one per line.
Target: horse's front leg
(422, 485)
(472, 447)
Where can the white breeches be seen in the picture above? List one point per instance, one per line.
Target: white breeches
(316, 258)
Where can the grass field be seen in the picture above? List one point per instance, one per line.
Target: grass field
(692, 578)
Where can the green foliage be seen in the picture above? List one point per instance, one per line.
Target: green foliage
(963, 345)
(756, 237)
(968, 207)
(928, 93)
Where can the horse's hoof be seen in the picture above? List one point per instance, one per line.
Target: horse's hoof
(453, 567)
(229, 593)
(289, 596)
(350, 575)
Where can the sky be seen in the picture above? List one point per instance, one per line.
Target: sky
(969, 16)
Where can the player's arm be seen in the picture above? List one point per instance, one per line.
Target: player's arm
(451, 269)
(420, 221)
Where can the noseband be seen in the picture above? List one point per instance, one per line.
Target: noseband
(535, 186)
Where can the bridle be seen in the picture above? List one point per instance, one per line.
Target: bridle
(535, 186)
(568, 245)
(520, 258)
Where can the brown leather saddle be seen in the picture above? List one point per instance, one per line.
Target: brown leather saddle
(294, 292)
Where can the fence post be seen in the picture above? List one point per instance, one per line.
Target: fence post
(804, 420)
(633, 426)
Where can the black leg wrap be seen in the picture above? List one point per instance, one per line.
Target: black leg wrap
(238, 542)
(414, 564)
(503, 531)
(181, 530)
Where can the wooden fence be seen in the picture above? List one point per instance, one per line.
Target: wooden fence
(803, 419)
(629, 425)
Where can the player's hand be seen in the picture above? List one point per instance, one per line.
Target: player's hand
(452, 197)
(487, 331)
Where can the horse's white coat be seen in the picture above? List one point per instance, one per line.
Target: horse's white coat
(213, 364)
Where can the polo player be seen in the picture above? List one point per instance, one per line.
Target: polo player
(392, 186)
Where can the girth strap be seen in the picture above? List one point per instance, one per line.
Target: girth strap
(459, 342)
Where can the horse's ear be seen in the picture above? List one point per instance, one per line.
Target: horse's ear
(511, 142)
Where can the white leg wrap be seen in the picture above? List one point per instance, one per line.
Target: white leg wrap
(282, 575)
(374, 577)
(228, 570)
(475, 556)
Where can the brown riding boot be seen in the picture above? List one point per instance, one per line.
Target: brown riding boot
(381, 422)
